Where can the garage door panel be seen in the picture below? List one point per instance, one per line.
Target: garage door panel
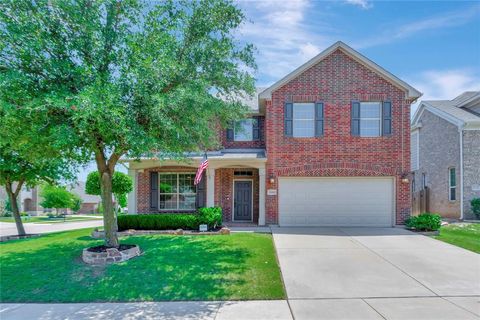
(336, 201)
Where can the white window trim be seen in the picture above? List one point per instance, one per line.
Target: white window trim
(303, 119)
(450, 187)
(367, 119)
(235, 134)
(177, 209)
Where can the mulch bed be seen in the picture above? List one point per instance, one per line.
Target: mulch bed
(103, 248)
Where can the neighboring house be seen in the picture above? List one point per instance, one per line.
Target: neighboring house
(327, 145)
(90, 203)
(29, 200)
(446, 153)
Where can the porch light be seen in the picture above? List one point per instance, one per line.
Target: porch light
(272, 180)
(404, 178)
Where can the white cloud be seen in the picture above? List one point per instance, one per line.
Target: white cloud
(445, 20)
(364, 4)
(282, 35)
(444, 84)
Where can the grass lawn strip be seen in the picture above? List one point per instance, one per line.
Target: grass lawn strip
(465, 235)
(240, 266)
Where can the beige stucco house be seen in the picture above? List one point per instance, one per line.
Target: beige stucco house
(445, 153)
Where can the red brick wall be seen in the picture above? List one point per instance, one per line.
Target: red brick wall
(224, 192)
(260, 144)
(336, 81)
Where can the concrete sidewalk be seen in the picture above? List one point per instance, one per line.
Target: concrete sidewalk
(251, 310)
(424, 308)
(8, 228)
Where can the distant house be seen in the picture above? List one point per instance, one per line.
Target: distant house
(90, 203)
(29, 200)
(445, 150)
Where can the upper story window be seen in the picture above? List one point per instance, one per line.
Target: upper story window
(371, 119)
(243, 130)
(452, 184)
(303, 120)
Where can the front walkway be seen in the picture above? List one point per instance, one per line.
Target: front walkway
(376, 273)
(9, 228)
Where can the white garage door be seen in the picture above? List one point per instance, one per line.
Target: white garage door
(336, 201)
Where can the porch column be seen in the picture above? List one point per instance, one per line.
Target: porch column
(261, 197)
(132, 196)
(210, 187)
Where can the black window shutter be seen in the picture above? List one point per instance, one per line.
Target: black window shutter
(319, 119)
(288, 115)
(387, 118)
(154, 190)
(201, 198)
(355, 130)
(230, 132)
(256, 129)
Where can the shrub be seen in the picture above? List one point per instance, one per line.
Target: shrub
(211, 216)
(475, 203)
(424, 222)
(158, 222)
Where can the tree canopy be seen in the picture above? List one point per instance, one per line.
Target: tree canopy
(126, 77)
(121, 183)
(58, 197)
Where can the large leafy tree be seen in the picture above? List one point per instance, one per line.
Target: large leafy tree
(128, 77)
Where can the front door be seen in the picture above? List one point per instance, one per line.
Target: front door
(242, 201)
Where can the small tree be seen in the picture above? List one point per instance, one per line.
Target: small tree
(76, 202)
(121, 185)
(122, 200)
(32, 150)
(58, 197)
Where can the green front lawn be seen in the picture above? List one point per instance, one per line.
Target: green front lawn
(45, 219)
(49, 269)
(465, 235)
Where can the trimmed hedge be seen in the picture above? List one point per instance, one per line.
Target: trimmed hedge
(424, 222)
(171, 221)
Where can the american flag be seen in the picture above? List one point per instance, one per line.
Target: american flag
(201, 168)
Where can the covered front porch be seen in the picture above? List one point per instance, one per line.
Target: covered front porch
(234, 181)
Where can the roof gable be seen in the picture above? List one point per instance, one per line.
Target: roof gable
(410, 92)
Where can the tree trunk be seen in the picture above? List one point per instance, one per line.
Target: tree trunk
(109, 217)
(16, 213)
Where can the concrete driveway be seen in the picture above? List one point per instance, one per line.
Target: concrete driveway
(376, 273)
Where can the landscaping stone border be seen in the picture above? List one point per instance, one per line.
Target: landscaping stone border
(96, 234)
(112, 255)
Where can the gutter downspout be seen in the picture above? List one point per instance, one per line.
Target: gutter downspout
(460, 130)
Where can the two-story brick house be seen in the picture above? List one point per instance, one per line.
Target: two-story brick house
(327, 145)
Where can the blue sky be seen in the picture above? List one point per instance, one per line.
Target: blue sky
(433, 45)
